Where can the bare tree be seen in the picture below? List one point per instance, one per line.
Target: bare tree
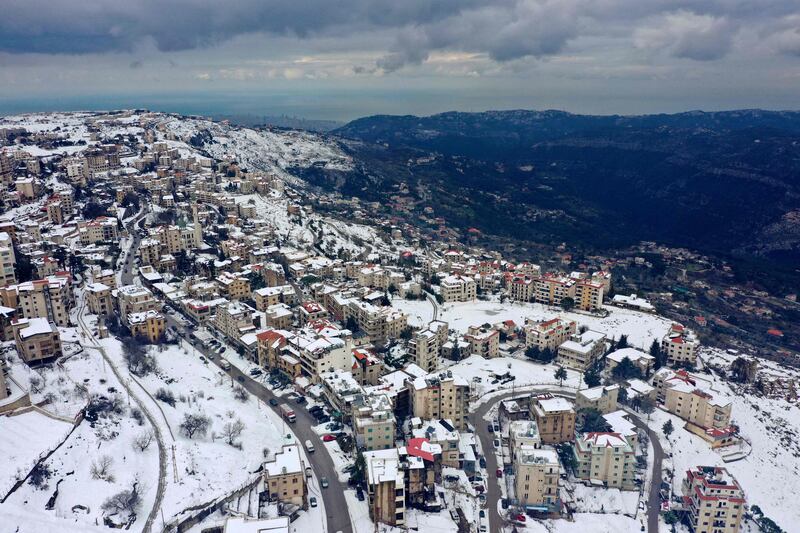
(240, 393)
(125, 502)
(138, 358)
(36, 383)
(232, 430)
(143, 440)
(195, 423)
(101, 469)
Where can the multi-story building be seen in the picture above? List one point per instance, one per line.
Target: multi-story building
(386, 487)
(551, 289)
(147, 324)
(319, 352)
(424, 350)
(483, 341)
(555, 417)
(537, 472)
(367, 366)
(588, 295)
(523, 433)
(713, 499)
(581, 350)
(7, 260)
(49, 298)
(603, 398)
(149, 252)
(310, 311)
(135, 299)
(548, 334)
(441, 395)
(101, 229)
(607, 457)
(37, 340)
(441, 433)
(680, 346)
(455, 288)
(270, 343)
(98, 298)
(378, 323)
(284, 476)
(234, 320)
(233, 287)
(697, 406)
(374, 423)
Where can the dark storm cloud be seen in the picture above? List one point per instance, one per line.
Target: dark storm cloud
(505, 30)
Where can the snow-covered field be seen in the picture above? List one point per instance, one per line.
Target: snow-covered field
(641, 328)
(770, 475)
(207, 467)
(526, 373)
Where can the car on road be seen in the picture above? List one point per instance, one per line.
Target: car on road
(225, 365)
(324, 482)
(328, 438)
(312, 501)
(309, 446)
(273, 402)
(240, 379)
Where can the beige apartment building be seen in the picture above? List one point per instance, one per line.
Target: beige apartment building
(147, 324)
(135, 299)
(98, 299)
(386, 487)
(7, 260)
(603, 398)
(279, 316)
(457, 288)
(588, 295)
(149, 252)
(523, 433)
(367, 367)
(552, 289)
(378, 323)
(606, 457)
(37, 340)
(549, 334)
(697, 406)
(441, 396)
(713, 499)
(233, 287)
(522, 289)
(680, 345)
(101, 229)
(581, 350)
(537, 472)
(44, 298)
(266, 297)
(555, 417)
(424, 350)
(643, 361)
(234, 320)
(285, 478)
(270, 343)
(483, 341)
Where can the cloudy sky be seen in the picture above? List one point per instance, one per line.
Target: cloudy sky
(340, 59)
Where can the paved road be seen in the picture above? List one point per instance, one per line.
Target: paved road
(653, 499)
(127, 268)
(335, 503)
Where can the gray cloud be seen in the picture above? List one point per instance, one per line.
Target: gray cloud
(502, 30)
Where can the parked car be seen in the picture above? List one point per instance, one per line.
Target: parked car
(479, 488)
(301, 400)
(309, 472)
(490, 428)
(360, 494)
(324, 482)
(454, 515)
(497, 427)
(273, 402)
(314, 409)
(482, 462)
(328, 438)
(499, 472)
(496, 443)
(451, 478)
(312, 501)
(519, 517)
(255, 372)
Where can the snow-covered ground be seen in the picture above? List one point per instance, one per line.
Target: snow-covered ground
(770, 475)
(526, 373)
(641, 328)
